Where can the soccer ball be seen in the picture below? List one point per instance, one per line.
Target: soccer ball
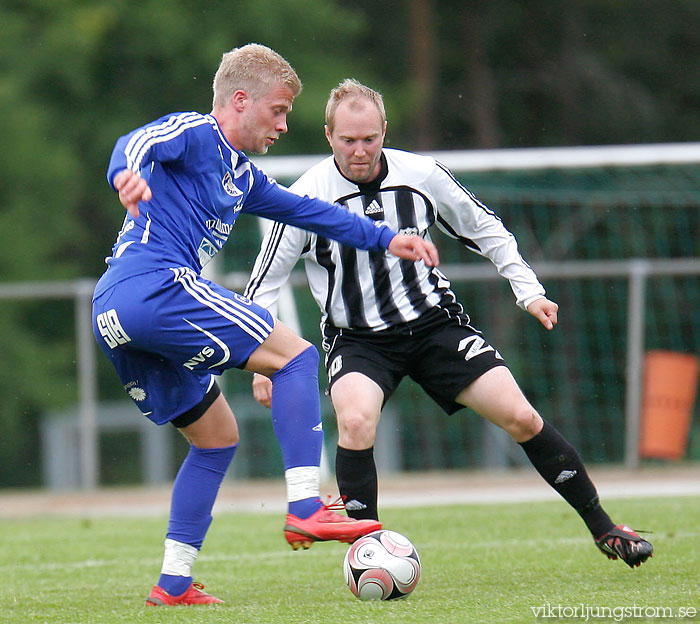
(382, 565)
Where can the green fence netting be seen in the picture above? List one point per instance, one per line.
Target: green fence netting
(575, 375)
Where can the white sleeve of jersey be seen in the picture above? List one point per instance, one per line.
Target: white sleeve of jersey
(281, 248)
(463, 217)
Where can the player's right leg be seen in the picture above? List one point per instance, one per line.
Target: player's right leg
(364, 369)
(167, 392)
(211, 429)
(357, 402)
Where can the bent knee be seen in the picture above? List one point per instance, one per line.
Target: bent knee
(524, 424)
(310, 357)
(305, 362)
(229, 437)
(356, 430)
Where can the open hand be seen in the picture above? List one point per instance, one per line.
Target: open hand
(414, 248)
(545, 311)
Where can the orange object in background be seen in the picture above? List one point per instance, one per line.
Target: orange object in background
(670, 386)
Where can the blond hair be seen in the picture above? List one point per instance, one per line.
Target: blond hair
(352, 90)
(255, 69)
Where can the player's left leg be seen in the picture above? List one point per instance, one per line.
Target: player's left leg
(496, 396)
(292, 365)
(220, 330)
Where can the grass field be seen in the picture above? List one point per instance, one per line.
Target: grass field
(481, 563)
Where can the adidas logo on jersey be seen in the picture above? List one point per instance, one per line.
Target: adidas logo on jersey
(564, 475)
(373, 208)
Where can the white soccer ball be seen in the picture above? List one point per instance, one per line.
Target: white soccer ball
(382, 566)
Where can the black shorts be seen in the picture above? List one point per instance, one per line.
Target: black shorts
(442, 354)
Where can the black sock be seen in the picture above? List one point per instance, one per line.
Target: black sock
(560, 465)
(356, 475)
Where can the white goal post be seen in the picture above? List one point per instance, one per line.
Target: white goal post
(291, 167)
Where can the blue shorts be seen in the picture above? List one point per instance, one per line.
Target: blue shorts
(167, 332)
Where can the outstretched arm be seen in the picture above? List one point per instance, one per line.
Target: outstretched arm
(463, 217)
(268, 199)
(545, 311)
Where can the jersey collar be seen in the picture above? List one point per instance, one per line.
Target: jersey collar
(374, 185)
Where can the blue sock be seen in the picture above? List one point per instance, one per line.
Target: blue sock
(296, 418)
(174, 585)
(194, 492)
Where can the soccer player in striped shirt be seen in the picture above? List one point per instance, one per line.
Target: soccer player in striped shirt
(184, 180)
(385, 318)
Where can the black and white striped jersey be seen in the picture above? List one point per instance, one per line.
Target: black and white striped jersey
(374, 289)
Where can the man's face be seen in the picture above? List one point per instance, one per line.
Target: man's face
(264, 120)
(357, 139)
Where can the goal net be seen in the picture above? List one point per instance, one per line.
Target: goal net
(613, 233)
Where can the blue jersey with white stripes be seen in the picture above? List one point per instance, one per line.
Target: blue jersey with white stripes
(200, 185)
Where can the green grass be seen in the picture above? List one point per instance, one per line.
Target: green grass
(481, 563)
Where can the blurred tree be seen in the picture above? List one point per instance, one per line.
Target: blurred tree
(424, 74)
(537, 73)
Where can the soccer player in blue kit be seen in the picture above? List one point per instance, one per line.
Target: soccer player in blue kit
(184, 179)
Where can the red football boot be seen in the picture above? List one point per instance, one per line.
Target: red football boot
(325, 525)
(193, 595)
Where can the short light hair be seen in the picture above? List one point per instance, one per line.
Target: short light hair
(255, 69)
(351, 89)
